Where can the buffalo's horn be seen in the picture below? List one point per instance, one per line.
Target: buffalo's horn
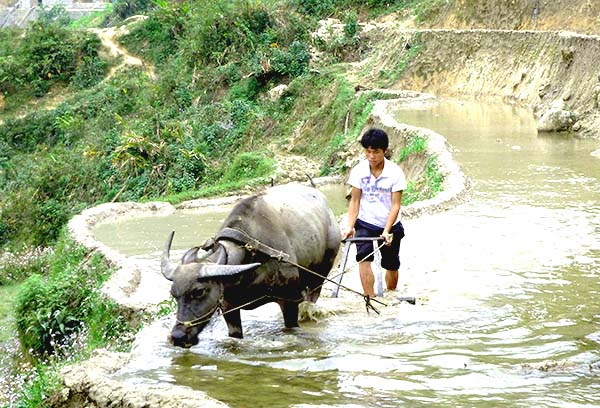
(215, 271)
(166, 266)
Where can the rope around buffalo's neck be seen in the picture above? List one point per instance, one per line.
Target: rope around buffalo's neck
(199, 320)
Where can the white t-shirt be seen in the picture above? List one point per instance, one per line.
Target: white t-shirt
(376, 197)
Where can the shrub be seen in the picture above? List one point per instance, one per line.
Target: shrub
(90, 72)
(416, 145)
(24, 134)
(47, 191)
(127, 8)
(52, 309)
(49, 53)
(56, 15)
(292, 61)
(225, 31)
(316, 8)
(153, 39)
(11, 73)
(249, 166)
(431, 182)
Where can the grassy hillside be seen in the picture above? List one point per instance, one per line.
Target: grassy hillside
(133, 137)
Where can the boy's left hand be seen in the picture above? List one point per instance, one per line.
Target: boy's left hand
(387, 238)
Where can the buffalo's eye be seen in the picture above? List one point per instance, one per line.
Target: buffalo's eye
(198, 292)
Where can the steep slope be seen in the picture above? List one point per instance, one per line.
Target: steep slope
(582, 16)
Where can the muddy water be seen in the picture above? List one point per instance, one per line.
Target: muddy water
(144, 235)
(507, 287)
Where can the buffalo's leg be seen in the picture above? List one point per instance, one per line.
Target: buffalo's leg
(290, 313)
(234, 324)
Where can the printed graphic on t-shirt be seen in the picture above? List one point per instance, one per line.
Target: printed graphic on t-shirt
(372, 192)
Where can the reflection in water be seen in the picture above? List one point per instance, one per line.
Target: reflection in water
(507, 285)
(144, 235)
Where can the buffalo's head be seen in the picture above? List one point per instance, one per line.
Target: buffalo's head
(198, 289)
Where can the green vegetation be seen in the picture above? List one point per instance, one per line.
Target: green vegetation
(94, 19)
(417, 145)
(14, 267)
(7, 296)
(54, 308)
(430, 182)
(61, 317)
(45, 380)
(45, 56)
(390, 75)
(421, 9)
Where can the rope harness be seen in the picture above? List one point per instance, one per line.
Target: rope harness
(199, 320)
(253, 244)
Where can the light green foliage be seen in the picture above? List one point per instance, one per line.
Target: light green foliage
(417, 145)
(15, 266)
(390, 75)
(44, 381)
(249, 166)
(166, 307)
(7, 296)
(431, 182)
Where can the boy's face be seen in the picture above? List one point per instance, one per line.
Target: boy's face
(375, 156)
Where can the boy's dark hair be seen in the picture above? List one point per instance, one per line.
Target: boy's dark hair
(375, 139)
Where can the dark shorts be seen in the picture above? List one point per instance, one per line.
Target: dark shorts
(390, 255)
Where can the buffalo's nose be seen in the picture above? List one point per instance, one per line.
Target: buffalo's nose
(177, 334)
(180, 338)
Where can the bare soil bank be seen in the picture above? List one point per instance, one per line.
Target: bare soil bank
(582, 16)
(532, 68)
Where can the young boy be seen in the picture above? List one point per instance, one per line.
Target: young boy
(374, 209)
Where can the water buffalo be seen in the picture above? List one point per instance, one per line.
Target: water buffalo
(251, 261)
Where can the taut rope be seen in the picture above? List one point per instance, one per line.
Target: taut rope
(283, 257)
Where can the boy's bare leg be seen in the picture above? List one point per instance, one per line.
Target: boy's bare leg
(366, 278)
(391, 279)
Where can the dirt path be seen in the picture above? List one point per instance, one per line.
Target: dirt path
(108, 37)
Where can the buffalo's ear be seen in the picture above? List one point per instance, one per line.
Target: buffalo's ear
(208, 245)
(190, 256)
(220, 271)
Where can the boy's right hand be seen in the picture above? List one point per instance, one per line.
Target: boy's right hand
(348, 233)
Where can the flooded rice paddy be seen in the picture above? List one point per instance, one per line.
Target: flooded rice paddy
(507, 289)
